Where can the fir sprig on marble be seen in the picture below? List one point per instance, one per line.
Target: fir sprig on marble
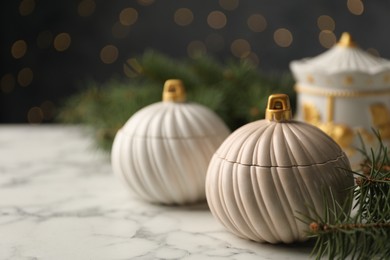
(236, 90)
(364, 232)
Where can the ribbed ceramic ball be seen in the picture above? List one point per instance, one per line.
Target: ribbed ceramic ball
(268, 171)
(163, 150)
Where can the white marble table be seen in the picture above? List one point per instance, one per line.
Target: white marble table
(60, 200)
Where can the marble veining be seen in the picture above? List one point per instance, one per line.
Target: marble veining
(60, 200)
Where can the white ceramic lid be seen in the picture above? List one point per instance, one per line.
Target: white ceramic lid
(345, 66)
(174, 118)
(279, 141)
(271, 144)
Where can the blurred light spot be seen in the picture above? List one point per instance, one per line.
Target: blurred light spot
(216, 20)
(47, 108)
(128, 16)
(283, 37)
(356, 7)
(26, 7)
(25, 77)
(196, 48)
(7, 83)
(183, 16)
(240, 48)
(62, 42)
(229, 5)
(19, 49)
(86, 8)
(35, 115)
(133, 65)
(145, 2)
(257, 23)
(44, 39)
(128, 70)
(374, 52)
(325, 22)
(119, 30)
(254, 111)
(109, 54)
(215, 42)
(327, 39)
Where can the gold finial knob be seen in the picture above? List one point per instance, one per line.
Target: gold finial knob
(278, 108)
(346, 40)
(174, 91)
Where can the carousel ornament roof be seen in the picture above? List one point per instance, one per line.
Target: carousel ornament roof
(344, 66)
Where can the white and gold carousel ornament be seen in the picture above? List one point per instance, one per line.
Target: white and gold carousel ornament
(345, 91)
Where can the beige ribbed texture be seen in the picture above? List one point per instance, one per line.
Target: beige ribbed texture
(266, 172)
(163, 151)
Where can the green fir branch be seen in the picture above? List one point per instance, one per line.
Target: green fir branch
(236, 90)
(364, 232)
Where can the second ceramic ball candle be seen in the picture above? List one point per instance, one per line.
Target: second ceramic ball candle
(163, 150)
(268, 171)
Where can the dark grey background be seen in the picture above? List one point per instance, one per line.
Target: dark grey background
(57, 75)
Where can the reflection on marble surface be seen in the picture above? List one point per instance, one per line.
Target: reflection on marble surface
(60, 200)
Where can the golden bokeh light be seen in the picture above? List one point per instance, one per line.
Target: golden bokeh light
(7, 83)
(26, 7)
(127, 69)
(283, 37)
(216, 20)
(195, 48)
(86, 8)
(240, 48)
(132, 67)
(62, 42)
(325, 22)
(128, 16)
(327, 38)
(356, 7)
(183, 16)
(19, 49)
(35, 115)
(229, 5)
(25, 77)
(109, 54)
(257, 23)
(44, 39)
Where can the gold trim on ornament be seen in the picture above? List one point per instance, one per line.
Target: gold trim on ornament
(330, 108)
(278, 108)
(340, 93)
(346, 40)
(348, 80)
(380, 115)
(174, 91)
(341, 133)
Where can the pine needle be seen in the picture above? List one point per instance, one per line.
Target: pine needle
(366, 234)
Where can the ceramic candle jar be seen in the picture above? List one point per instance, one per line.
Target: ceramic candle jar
(267, 171)
(163, 150)
(345, 91)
